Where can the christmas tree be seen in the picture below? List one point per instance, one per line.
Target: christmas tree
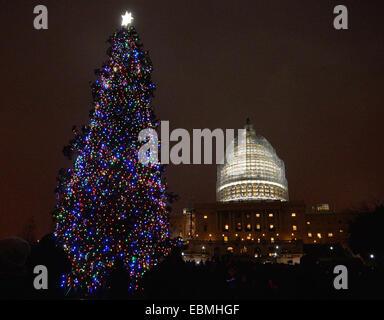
(112, 208)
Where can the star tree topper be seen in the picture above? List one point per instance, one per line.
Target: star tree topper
(127, 19)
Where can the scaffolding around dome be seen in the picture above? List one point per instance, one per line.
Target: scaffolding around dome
(254, 172)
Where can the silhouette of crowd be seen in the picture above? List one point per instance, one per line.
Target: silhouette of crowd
(225, 277)
(233, 277)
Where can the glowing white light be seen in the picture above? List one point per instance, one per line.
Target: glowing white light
(252, 182)
(127, 19)
(372, 256)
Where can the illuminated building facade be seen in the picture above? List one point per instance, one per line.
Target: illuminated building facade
(271, 230)
(252, 215)
(254, 172)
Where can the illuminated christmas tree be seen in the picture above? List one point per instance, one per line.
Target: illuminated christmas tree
(110, 206)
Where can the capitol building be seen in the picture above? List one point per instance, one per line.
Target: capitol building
(252, 215)
(255, 172)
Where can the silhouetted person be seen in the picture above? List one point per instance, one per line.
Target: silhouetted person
(119, 281)
(51, 255)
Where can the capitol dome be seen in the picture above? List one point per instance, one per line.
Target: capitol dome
(254, 172)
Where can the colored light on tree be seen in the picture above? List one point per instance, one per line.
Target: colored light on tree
(110, 206)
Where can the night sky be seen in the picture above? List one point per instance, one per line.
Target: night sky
(315, 93)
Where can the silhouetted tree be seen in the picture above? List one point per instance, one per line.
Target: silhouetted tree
(366, 231)
(29, 230)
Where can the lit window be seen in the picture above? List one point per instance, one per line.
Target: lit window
(341, 230)
(226, 227)
(205, 217)
(319, 235)
(293, 214)
(294, 228)
(230, 249)
(309, 235)
(249, 226)
(270, 215)
(257, 215)
(258, 226)
(330, 234)
(308, 222)
(272, 240)
(271, 226)
(225, 239)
